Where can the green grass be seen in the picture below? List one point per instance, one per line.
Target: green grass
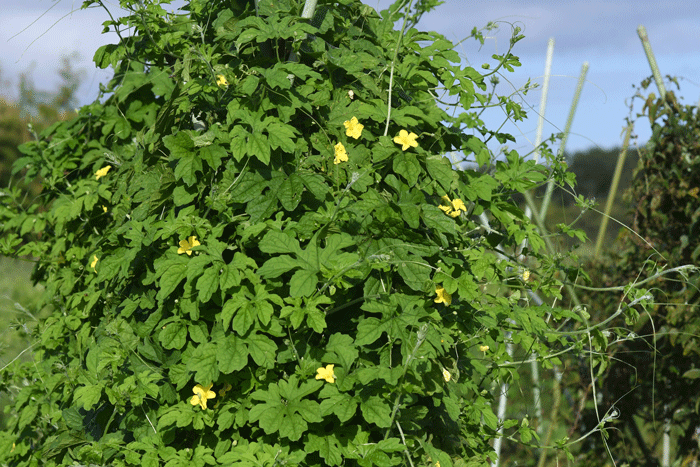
(19, 311)
(19, 301)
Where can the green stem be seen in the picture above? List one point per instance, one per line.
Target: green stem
(422, 333)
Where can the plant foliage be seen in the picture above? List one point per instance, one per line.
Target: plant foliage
(257, 253)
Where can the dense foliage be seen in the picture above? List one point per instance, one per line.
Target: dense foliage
(257, 253)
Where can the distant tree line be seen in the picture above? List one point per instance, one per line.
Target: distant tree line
(594, 169)
(33, 110)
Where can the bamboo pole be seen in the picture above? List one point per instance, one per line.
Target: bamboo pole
(612, 193)
(543, 99)
(502, 404)
(306, 13)
(534, 368)
(567, 130)
(642, 32)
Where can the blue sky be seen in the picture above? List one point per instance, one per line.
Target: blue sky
(601, 32)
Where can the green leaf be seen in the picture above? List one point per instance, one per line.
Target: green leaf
(278, 242)
(440, 169)
(232, 305)
(343, 405)
(232, 354)
(327, 446)
(182, 152)
(414, 271)
(89, 395)
(249, 85)
(245, 317)
(278, 265)
(436, 219)
(230, 277)
(406, 165)
(284, 410)
(174, 272)
(207, 284)
(314, 183)
(303, 283)
(183, 195)
(174, 335)
(377, 411)
(259, 147)
(369, 330)
(281, 135)
(203, 362)
(277, 78)
(344, 349)
(262, 349)
(213, 155)
(289, 192)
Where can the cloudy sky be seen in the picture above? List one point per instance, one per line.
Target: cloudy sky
(34, 35)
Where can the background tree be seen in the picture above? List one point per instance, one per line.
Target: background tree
(653, 375)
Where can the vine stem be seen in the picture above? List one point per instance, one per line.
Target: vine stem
(422, 333)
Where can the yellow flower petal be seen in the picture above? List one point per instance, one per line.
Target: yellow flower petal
(187, 245)
(446, 209)
(453, 208)
(442, 296)
(458, 205)
(446, 375)
(483, 348)
(221, 80)
(353, 128)
(340, 154)
(94, 262)
(326, 373)
(201, 395)
(102, 172)
(406, 140)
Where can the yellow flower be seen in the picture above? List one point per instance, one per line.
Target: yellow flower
(326, 373)
(454, 208)
(102, 172)
(442, 296)
(94, 262)
(353, 128)
(446, 375)
(104, 208)
(221, 80)
(437, 464)
(340, 154)
(406, 139)
(201, 395)
(526, 275)
(187, 245)
(484, 348)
